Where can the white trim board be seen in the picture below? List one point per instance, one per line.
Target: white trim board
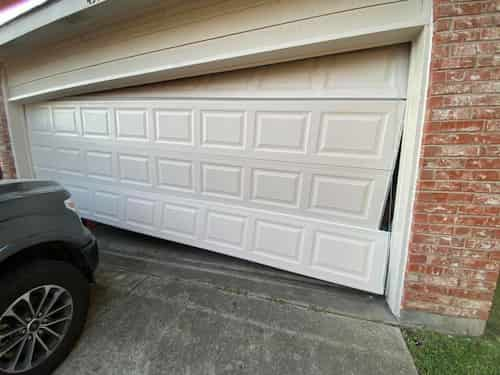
(408, 168)
(319, 35)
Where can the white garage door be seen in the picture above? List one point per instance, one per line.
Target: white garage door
(287, 165)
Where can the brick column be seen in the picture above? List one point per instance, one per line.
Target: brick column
(454, 254)
(7, 167)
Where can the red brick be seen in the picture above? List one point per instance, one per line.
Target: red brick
(448, 139)
(457, 36)
(441, 185)
(433, 208)
(440, 88)
(487, 199)
(490, 151)
(490, 33)
(441, 163)
(456, 63)
(487, 61)
(493, 125)
(455, 241)
(470, 22)
(417, 258)
(460, 114)
(454, 174)
(448, 10)
(442, 25)
(454, 150)
(468, 75)
(483, 113)
(475, 187)
(454, 126)
(6, 157)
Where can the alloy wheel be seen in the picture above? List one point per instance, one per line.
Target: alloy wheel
(33, 326)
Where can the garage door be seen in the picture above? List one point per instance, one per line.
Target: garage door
(287, 165)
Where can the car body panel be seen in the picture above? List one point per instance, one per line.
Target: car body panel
(33, 212)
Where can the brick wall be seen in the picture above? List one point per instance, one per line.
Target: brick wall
(6, 160)
(454, 253)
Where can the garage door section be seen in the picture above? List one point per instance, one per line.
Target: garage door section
(287, 165)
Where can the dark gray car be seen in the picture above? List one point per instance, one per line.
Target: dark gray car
(47, 260)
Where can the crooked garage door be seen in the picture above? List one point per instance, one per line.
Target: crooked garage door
(287, 165)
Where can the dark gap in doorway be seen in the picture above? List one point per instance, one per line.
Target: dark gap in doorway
(386, 222)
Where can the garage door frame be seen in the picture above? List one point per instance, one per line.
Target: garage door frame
(420, 37)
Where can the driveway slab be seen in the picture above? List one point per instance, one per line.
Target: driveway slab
(150, 323)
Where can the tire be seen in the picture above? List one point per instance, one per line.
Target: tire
(43, 281)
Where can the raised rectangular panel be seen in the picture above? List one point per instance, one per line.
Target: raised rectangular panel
(282, 131)
(81, 197)
(140, 211)
(95, 122)
(294, 76)
(341, 195)
(39, 119)
(276, 187)
(43, 156)
(356, 134)
(351, 71)
(222, 180)
(69, 160)
(174, 126)
(65, 120)
(339, 253)
(131, 124)
(100, 164)
(226, 229)
(223, 129)
(277, 240)
(179, 219)
(175, 174)
(134, 169)
(107, 205)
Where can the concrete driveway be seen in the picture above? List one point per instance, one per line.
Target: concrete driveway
(161, 308)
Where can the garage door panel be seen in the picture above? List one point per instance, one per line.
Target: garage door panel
(43, 156)
(69, 160)
(96, 122)
(99, 164)
(354, 196)
(107, 205)
(180, 220)
(65, 121)
(373, 73)
(333, 252)
(132, 124)
(362, 134)
(174, 126)
(252, 230)
(282, 131)
(140, 212)
(39, 119)
(276, 187)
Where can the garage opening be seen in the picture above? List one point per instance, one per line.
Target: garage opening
(287, 165)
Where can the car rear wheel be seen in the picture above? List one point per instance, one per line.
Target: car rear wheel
(43, 308)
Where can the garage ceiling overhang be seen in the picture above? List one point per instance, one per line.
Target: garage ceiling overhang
(201, 40)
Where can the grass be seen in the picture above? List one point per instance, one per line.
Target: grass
(436, 353)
